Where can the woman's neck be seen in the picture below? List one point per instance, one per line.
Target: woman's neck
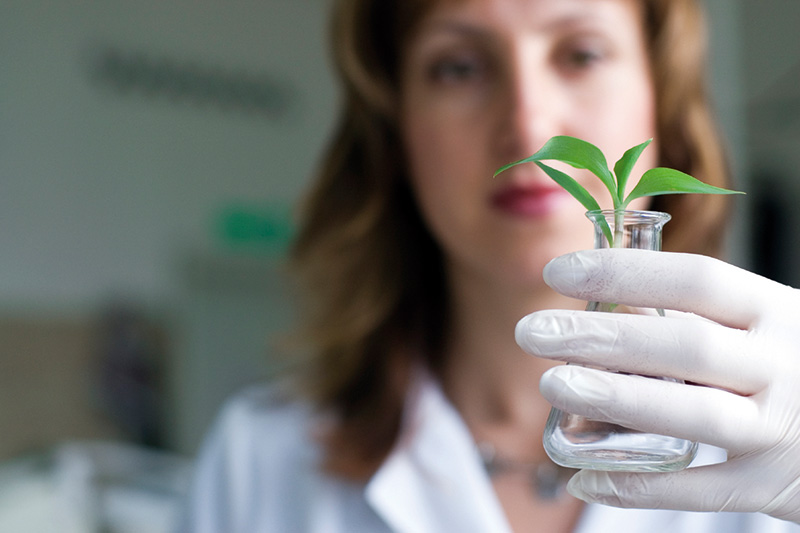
(490, 380)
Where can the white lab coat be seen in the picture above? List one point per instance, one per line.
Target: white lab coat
(258, 473)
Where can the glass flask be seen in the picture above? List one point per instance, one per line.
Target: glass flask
(579, 442)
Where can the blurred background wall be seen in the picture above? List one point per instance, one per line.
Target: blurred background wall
(771, 108)
(150, 153)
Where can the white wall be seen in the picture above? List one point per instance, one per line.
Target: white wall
(726, 78)
(771, 64)
(99, 190)
(110, 194)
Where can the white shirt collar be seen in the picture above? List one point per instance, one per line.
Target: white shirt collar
(433, 480)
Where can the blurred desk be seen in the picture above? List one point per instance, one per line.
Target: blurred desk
(93, 487)
(47, 373)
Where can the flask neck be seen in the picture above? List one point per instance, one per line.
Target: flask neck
(628, 228)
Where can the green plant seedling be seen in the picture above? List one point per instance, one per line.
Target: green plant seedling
(581, 154)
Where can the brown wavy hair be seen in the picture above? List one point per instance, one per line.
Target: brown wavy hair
(371, 269)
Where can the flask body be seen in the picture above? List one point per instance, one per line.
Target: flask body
(578, 442)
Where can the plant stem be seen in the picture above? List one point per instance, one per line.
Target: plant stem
(619, 229)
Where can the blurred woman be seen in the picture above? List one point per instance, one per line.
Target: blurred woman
(415, 409)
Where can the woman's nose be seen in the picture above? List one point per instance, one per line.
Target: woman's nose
(531, 110)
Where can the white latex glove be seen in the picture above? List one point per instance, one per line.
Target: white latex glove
(743, 358)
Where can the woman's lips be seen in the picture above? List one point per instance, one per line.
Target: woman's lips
(528, 201)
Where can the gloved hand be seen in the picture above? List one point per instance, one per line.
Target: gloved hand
(739, 348)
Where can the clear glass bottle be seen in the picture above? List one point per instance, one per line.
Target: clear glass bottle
(578, 442)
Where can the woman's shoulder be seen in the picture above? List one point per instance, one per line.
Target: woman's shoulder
(271, 415)
(269, 399)
(263, 433)
(258, 456)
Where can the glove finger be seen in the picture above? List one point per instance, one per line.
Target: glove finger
(689, 349)
(715, 488)
(692, 412)
(685, 282)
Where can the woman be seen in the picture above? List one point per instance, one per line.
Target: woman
(418, 266)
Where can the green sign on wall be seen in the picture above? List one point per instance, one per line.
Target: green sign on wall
(254, 228)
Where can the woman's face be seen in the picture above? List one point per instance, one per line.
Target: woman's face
(487, 82)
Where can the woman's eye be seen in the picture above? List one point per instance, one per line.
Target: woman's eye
(578, 57)
(583, 58)
(455, 70)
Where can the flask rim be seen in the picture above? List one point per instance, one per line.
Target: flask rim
(630, 216)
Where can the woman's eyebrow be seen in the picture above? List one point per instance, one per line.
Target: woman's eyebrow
(458, 27)
(455, 27)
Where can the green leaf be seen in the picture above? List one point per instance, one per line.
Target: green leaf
(577, 191)
(571, 186)
(623, 167)
(584, 155)
(579, 154)
(509, 165)
(657, 181)
(576, 153)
